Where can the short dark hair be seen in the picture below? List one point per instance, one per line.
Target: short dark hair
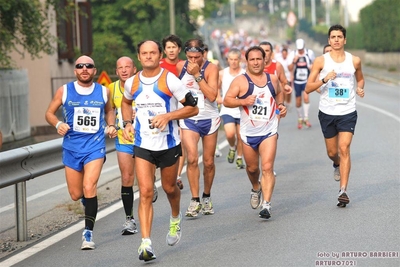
(173, 39)
(337, 27)
(267, 43)
(254, 48)
(205, 47)
(325, 46)
(198, 43)
(160, 49)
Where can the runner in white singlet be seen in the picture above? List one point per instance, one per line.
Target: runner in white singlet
(340, 79)
(200, 77)
(156, 93)
(260, 99)
(231, 116)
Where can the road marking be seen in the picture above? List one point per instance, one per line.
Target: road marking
(384, 112)
(23, 255)
(33, 197)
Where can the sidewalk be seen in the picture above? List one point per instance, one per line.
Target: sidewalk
(383, 75)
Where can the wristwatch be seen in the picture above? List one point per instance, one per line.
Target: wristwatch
(126, 123)
(323, 80)
(198, 79)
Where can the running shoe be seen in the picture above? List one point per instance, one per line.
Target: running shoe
(207, 206)
(343, 199)
(155, 193)
(218, 153)
(129, 227)
(179, 183)
(239, 163)
(193, 209)
(174, 234)
(336, 173)
(300, 124)
(307, 123)
(265, 212)
(146, 251)
(255, 198)
(87, 238)
(231, 155)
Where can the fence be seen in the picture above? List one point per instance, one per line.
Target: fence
(14, 104)
(22, 164)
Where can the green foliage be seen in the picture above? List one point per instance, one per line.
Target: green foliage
(355, 36)
(25, 28)
(119, 25)
(291, 33)
(380, 24)
(109, 47)
(322, 29)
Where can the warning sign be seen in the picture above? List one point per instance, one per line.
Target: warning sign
(104, 79)
(291, 19)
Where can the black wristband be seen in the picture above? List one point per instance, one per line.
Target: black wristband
(323, 81)
(112, 125)
(124, 123)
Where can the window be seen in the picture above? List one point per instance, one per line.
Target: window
(75, 33)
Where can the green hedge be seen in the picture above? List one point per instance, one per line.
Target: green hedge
(380, 23)
(377, 31)
(355, 37)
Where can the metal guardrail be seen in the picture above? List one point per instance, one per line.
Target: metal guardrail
(22, 164)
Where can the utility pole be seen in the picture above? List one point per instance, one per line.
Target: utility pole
(271, 7)
(233, 11)
(291, 4)
(346, 14)
(313, 16)
(172, 16)
(327, 14)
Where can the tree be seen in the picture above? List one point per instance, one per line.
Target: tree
(26, 24)
(124, 23)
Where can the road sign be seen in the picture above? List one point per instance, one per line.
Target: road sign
(291, 19)
(104, 79)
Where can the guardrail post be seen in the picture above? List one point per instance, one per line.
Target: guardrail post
(21, 211)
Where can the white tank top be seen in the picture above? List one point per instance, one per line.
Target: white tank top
(338, 96)
(260, 118)
(227, 79)
(207, 109)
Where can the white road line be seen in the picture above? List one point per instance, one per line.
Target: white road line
(384, 112)
(76, 227)
(33, 197)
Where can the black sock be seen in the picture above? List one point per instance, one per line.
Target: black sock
(127, 200)
(197, 199)
(206, 195)
(90, 212)
(335, 166)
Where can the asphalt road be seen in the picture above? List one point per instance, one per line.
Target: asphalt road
(306, 228)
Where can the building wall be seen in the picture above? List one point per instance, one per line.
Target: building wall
(40, 74)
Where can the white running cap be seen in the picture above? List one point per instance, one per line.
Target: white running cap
(300, 44)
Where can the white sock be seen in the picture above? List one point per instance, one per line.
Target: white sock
(299, 112)
(147, 239)
(306, 109)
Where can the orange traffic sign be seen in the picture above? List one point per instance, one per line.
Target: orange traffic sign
(104, 79)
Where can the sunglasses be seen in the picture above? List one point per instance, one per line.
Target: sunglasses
(87, 65)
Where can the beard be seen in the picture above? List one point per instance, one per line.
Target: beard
(87, 80)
